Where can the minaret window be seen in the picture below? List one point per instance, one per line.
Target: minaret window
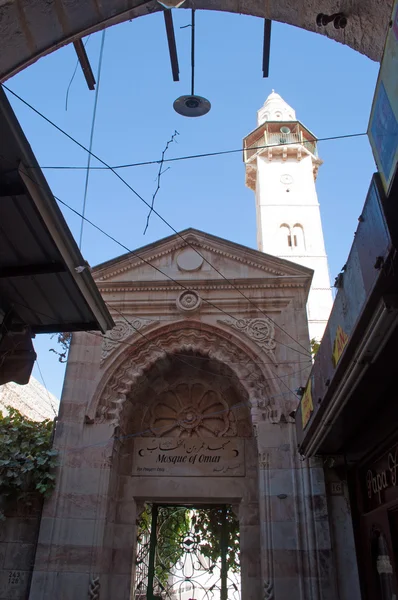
(285, 235)
(298, 237)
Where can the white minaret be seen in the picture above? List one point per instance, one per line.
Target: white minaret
(281, 168)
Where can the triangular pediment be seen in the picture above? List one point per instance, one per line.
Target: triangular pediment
(194, 255)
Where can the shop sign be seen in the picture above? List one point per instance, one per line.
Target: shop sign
(383, 123)
(340, 342)
(382, 477)
(307, 405)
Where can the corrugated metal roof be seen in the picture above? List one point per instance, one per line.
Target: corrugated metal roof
(38, 255)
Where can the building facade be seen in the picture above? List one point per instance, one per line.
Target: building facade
(282, 163)
(196, 365)
(32, 400)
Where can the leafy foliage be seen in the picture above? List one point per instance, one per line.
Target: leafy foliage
(26, 457)
(314, 347)
(172, 526)
(203, 526)
(208, 524)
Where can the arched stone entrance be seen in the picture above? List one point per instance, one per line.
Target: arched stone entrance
(29, 30)
(176, 378)
(187, 402)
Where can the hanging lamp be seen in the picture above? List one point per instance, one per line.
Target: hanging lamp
(192, 106)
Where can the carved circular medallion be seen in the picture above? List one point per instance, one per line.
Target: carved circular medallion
(286, 179)
(188, 301)
(189, 260)
(191, 409)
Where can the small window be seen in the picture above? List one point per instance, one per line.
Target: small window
(285, 236)
(298, 236)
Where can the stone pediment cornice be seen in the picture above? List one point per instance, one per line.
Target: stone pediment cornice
(161, 286)
(228, 250)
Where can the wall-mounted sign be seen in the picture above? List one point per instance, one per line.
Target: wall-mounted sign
(189, 457)
(307, 406)
(381, 479)
(383, 123)
(340, 342)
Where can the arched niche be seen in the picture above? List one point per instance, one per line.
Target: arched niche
(171, 344)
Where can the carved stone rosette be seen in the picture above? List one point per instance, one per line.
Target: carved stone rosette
(261, 331)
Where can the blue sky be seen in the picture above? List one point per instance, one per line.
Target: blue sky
(329, 85)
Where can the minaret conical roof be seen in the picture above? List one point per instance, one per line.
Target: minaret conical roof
(275, 109)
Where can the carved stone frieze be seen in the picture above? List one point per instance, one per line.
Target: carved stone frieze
(261, 331)
(122, 330)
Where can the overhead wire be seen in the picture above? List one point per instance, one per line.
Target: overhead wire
(73, 75)
(188, 356)
(45, 387)
(173, 356)
(194, 156)
(154, 211)
(92, 134)
(137, 255)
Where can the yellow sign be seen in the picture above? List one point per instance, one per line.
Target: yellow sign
(383, 123)
(340, 342)
(307, 406)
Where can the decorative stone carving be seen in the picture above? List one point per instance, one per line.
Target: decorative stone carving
(263, 460)
(94, 588)
(192, 409)
(188, 301)
(268, 590)
(261, 331)
(201, 338)
(119, 333)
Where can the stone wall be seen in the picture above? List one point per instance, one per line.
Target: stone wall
(18, 539)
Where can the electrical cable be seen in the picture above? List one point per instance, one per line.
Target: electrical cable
(172, 356)
(188, 356)
(156, 213)
(193, 156)
(73, 76)
(45, 387)
(92, 134)
(193, 53)
(134, 253)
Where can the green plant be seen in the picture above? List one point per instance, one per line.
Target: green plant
(314, 347)
(26, 457)
(208, 524)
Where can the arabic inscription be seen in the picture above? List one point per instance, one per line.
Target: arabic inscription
(192, 457)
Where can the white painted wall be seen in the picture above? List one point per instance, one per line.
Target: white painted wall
(292, 209)
(288, 216)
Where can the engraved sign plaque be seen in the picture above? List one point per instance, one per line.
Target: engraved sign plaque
(189, 457)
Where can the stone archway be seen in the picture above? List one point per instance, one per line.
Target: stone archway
(29, 30)
(185, 405)
(159, 346)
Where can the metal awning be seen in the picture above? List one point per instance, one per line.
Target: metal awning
(39, 283)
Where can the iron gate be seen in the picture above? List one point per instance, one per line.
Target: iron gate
(186, 552)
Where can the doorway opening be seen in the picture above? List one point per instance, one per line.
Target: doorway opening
(187, 553)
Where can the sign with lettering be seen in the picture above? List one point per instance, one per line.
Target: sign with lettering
(381, 479)
(307, 405)
(190, 457)
(340, 342)
(383, 123)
